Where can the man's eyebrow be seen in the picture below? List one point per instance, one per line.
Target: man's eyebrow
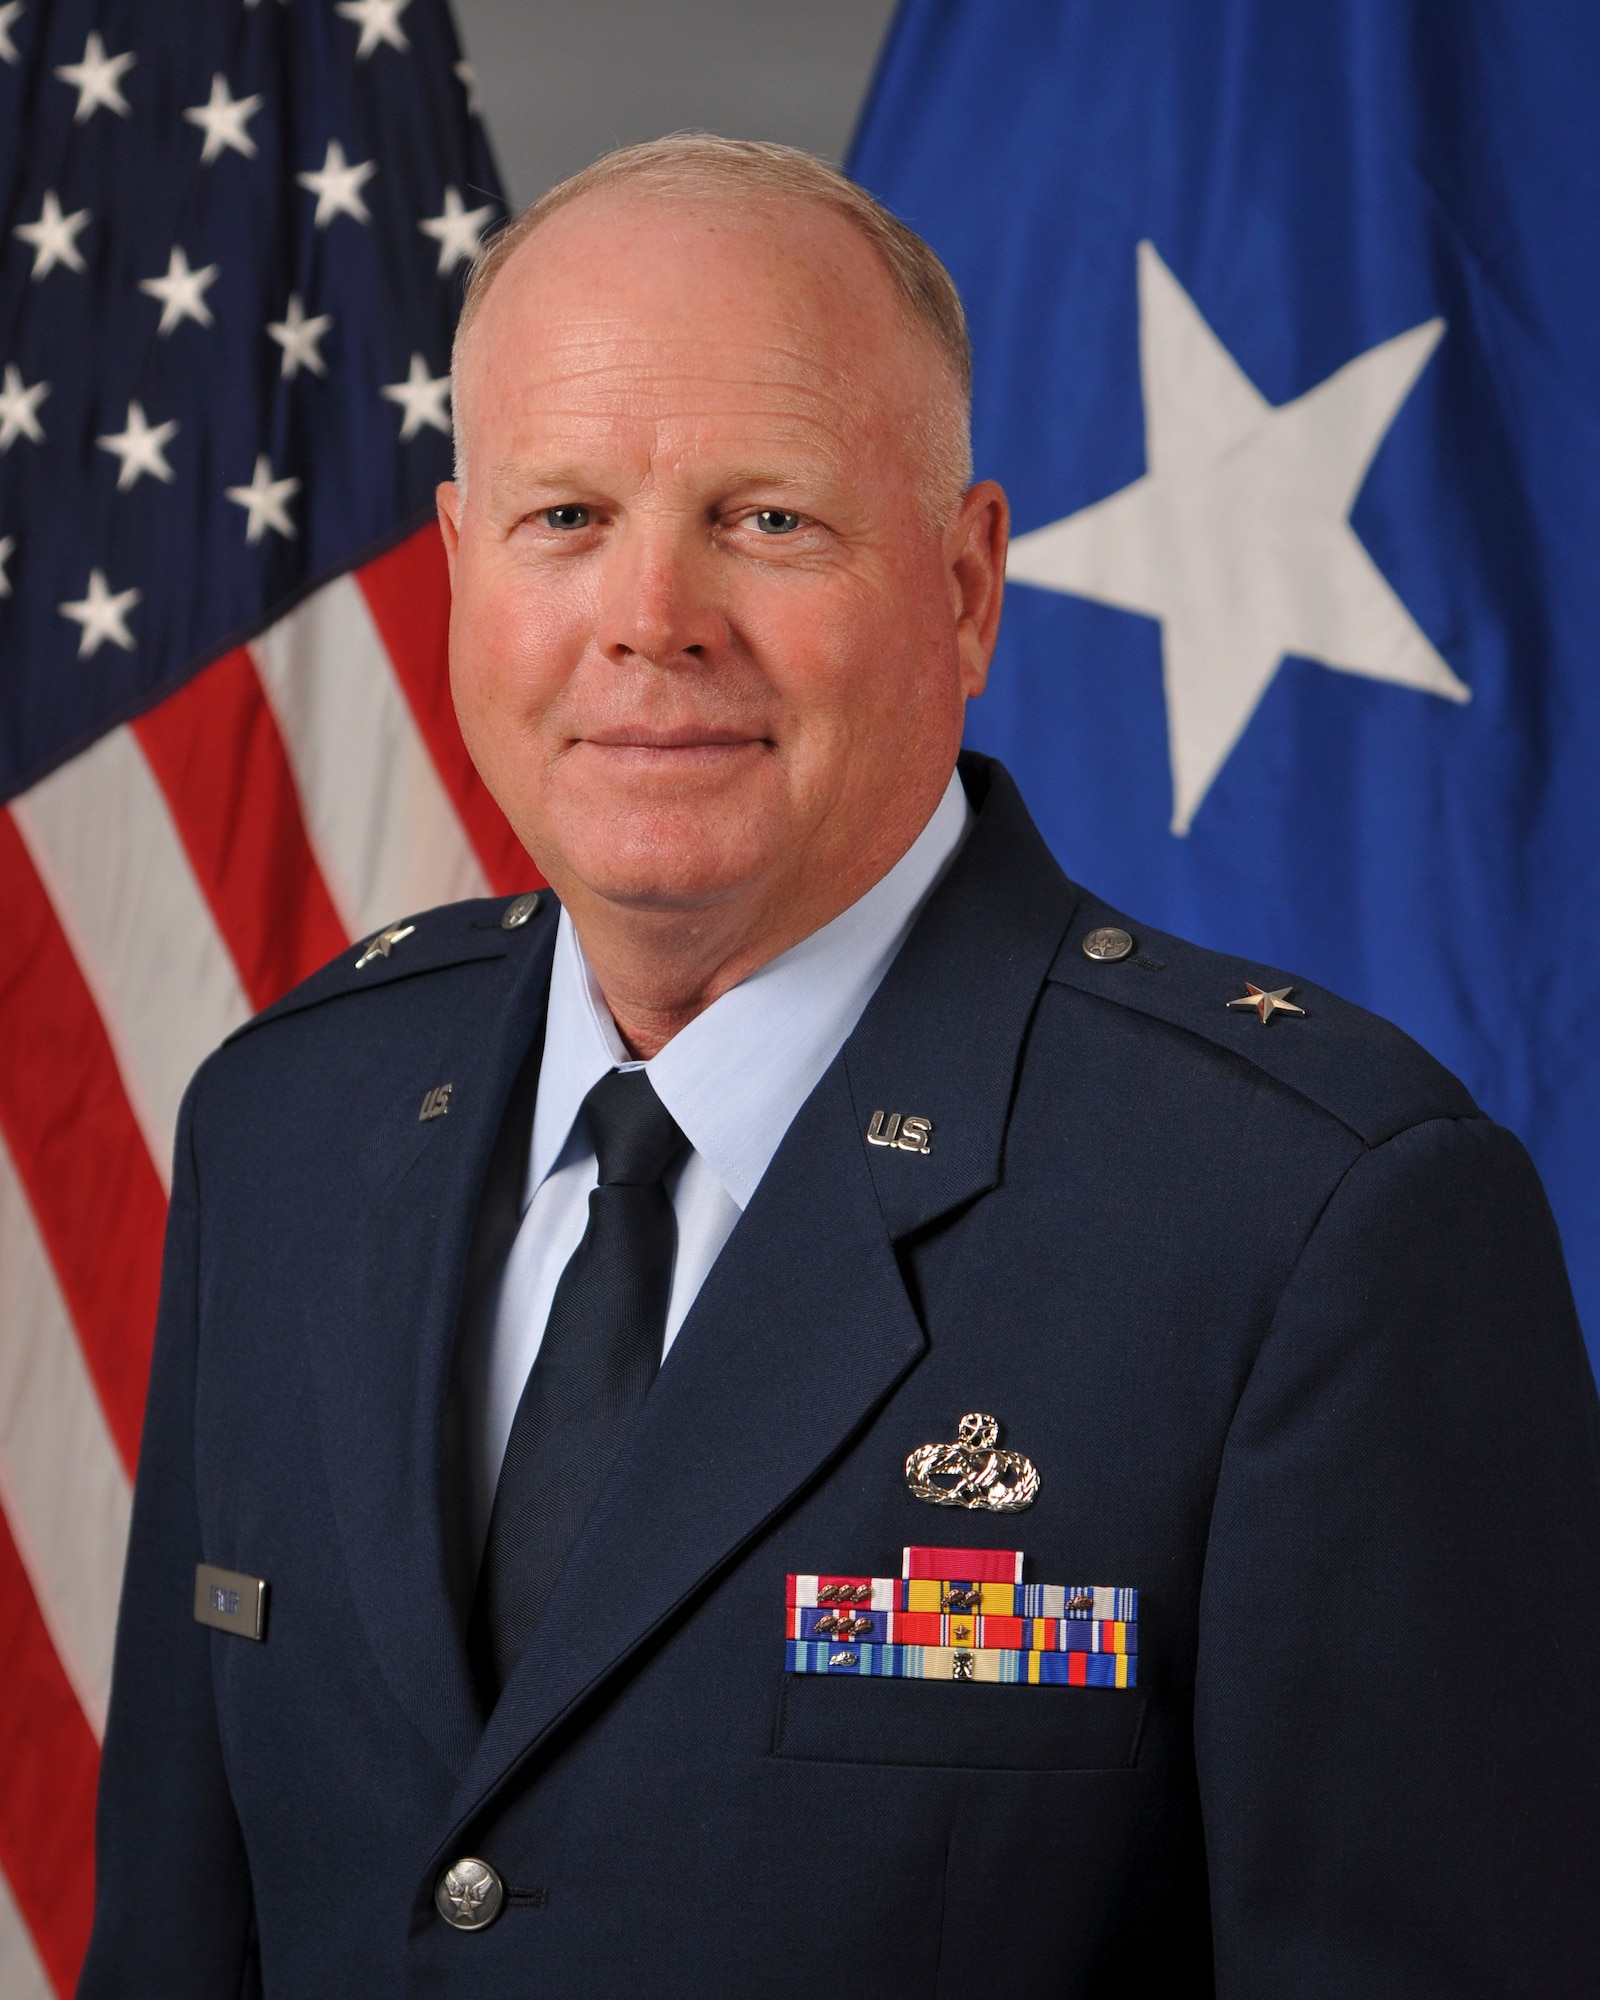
(771, 475)
(511, 472)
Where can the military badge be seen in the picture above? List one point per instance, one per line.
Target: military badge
(973, 1472)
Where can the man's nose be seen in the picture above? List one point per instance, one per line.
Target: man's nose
(659, 602)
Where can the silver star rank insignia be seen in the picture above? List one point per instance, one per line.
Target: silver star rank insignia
(1267, 1004)
(384, 943)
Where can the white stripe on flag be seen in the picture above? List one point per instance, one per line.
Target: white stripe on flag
(61, 1481)
(383, 829)
(22, 1977)
(103, 841)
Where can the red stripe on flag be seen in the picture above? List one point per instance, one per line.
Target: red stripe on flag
(51, 1764)
(408, 593)
(94, 1192)
(216, 753)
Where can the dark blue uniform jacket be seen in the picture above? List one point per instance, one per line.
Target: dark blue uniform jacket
(1278, 1314)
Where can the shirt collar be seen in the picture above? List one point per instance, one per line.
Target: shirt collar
(737, 1074)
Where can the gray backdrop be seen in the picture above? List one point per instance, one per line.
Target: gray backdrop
(563, 80)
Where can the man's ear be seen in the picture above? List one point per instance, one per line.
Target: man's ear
(976, 554)
(447, 499)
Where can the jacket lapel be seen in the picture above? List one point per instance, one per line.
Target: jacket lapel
(381, 1342)
(804, 1327)
(801, 1330)
(944, 1035)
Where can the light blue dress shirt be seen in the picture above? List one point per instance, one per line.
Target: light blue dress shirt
(733, 1079)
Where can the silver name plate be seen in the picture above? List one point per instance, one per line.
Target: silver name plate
(230, 1600)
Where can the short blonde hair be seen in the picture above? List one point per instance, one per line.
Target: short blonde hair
(690, 164)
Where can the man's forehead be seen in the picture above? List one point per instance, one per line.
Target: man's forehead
(532, 450)
(583, 366)
(698, 336)
(578, 348)
(696, 289)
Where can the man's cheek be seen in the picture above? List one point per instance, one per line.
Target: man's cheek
(509, 661)
(543, 622)
(815, 649)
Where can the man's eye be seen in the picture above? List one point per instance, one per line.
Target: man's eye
(570, 516)
(777, 521)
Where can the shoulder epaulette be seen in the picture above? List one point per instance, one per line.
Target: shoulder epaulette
(1360, 1069)
(451, 934)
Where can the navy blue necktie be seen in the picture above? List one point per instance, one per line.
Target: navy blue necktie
(599, 1356)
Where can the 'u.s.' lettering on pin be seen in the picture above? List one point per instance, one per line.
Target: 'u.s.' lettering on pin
(230, 1601)
(905, 1135)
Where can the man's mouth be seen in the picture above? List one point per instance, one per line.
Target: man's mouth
(672, 749)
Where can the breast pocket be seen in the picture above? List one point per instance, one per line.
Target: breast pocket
(843, 1719)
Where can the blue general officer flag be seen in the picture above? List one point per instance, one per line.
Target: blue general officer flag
(1287, 329)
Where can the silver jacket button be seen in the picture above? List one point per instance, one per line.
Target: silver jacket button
(517, 912)
(1107, 944)
(469, 1894)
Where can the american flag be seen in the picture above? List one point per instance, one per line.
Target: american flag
(234, 238)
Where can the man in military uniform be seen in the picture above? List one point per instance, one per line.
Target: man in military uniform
(816, 1406)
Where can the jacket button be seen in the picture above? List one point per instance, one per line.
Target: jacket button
(1108, 944)
(517, 912)
(469, 1895)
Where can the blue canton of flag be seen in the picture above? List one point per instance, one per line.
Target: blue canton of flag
(1287, 331)
(231, 264)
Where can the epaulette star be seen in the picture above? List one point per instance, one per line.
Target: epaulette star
(384, 943)
(1267, 1004)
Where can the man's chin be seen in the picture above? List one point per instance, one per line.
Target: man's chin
(664, 860)
(680, 893)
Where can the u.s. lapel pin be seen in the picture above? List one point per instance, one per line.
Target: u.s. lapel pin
(384, 943)
(973, 1472)
(905, 1135)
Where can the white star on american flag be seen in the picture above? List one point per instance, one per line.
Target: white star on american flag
(457, 231)
(298, 337)
(467, 77)
(98, 81)
(267, 501)
(10, 14)
(182, 292)
(423, 398)
(103, 614)
(141, 447)
(225, 120)
(379, 21)
(337, 185)
(7, 542)
(54, 237)
(19, 409)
